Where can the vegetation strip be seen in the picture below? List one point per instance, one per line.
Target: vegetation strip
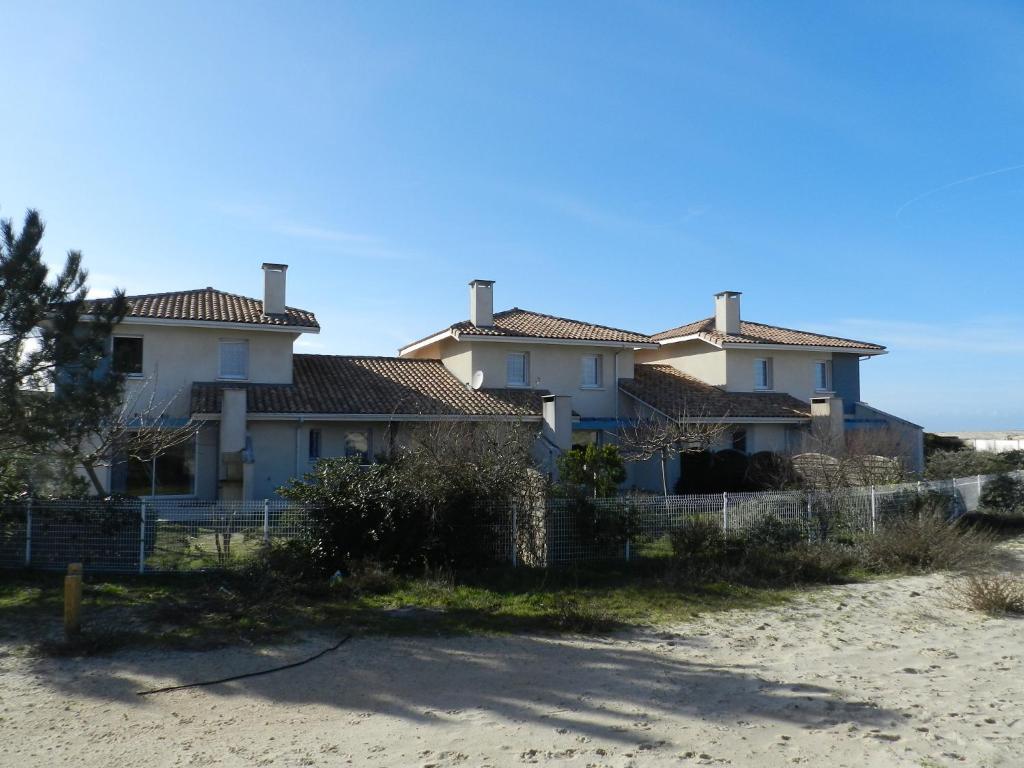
(261, 672)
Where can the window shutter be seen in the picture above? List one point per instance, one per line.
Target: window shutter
(234, 359)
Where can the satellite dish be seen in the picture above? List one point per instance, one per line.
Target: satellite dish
(478, 380)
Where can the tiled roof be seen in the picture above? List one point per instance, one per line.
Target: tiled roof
(372, 385)
(518, 322)
(211, 305)
(758, 333)
(676, 394)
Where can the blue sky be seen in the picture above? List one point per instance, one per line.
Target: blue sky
(856, 169)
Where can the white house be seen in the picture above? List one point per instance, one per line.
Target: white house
(267, 414)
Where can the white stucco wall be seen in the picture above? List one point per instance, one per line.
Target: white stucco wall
(792, 371)
(173, 357)
(695, 358)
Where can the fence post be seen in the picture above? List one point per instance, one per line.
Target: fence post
(874, 511)
(515, 536)
(266, 521)
(627, 550)
(142, 538)
(725, 512)
(28, 533)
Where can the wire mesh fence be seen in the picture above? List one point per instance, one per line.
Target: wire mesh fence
(143, 536)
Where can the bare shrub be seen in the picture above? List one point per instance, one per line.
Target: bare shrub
(926, 541)
(569, 614)
(367, 577)
(995, 594)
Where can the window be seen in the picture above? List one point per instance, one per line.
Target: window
(763, 373)
(739, 440)
(517, 369)
(126, 352)
(234, 359)
(314, 444)
(592, 365)
(822, 375)
(581, 438)
(172, 473)
(357, 443)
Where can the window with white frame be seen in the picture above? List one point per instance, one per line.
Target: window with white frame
(314, 444)
(822, 375)
(517, 369)
(763, 373)
(357, 443)
(234, 359)
(591, 378)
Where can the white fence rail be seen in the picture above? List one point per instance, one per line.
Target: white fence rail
(140, 536)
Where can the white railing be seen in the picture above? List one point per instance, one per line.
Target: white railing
(145, 536)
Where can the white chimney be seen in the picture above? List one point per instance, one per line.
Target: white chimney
(481, 303)
(727, 312)
(274, 288)
(557, 425)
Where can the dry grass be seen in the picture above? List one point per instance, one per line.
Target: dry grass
(918, 543)
(996, 594)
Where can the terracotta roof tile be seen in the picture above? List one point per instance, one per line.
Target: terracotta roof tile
(759, 333)
(518, 322)
(211, 305)
(372, 385)
(674, 394)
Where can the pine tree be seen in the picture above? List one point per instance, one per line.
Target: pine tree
(55, 383)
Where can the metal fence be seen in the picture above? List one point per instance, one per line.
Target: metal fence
(173, 536)
(142, 536)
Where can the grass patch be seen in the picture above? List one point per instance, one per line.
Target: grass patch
(212, 610)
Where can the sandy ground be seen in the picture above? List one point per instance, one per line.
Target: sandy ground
(882, 674)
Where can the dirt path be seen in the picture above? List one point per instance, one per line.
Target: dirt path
(882, 674)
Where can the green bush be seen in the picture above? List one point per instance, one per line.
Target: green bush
(944, 465)
(1004, 495)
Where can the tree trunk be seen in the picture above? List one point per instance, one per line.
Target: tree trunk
(664, 473)
(90, 470)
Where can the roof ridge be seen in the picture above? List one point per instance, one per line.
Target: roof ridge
(571, 320)
(698, 330)
(392, 358)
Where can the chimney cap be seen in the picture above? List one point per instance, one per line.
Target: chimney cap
(275, 267)
(728, 293)
(481, 282)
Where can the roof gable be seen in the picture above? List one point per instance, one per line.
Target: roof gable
(760, 333)
(204, 305)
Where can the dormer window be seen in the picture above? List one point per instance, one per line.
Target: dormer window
(234, 359)
(763, 373)
(822, 376)
(517, 369)
(592, 373)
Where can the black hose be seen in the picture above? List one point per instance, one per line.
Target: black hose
(294, 664)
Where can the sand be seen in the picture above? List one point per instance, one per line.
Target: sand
(879, 674)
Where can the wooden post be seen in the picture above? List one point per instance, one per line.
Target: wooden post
(73, 600)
